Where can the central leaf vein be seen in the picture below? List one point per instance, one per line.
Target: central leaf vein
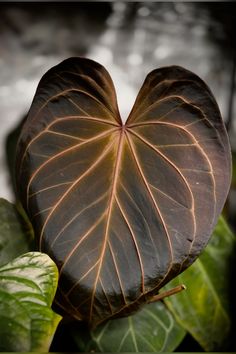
(109, 212)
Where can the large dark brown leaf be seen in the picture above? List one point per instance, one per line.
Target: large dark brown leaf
(121, 209)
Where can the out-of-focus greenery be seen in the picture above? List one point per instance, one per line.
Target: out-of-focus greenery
(204, 309)
(153, 329)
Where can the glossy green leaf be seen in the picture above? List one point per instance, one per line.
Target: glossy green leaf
(14, 238)
(204, 308)
(121, 208)
(153, 329)
(27, 288)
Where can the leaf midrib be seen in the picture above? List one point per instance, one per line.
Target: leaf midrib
(109, 213)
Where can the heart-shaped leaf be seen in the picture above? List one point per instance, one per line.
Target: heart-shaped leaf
(27, 288)
(122, 209)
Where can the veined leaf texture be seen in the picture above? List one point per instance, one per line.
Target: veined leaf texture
(121, 208)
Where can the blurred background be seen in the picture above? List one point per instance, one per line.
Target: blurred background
(129, 39)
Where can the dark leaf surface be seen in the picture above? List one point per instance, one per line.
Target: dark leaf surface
(153, 329)
(204, 308)
(122, 209)
(27, 288)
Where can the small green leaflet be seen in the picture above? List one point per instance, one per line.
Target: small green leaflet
(27, 288)
(204, 308)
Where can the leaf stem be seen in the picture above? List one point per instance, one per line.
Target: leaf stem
(167, 293)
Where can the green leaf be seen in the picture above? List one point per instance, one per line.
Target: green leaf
(27, 288)
(14, 239)
(204, 308)
(153, 329)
